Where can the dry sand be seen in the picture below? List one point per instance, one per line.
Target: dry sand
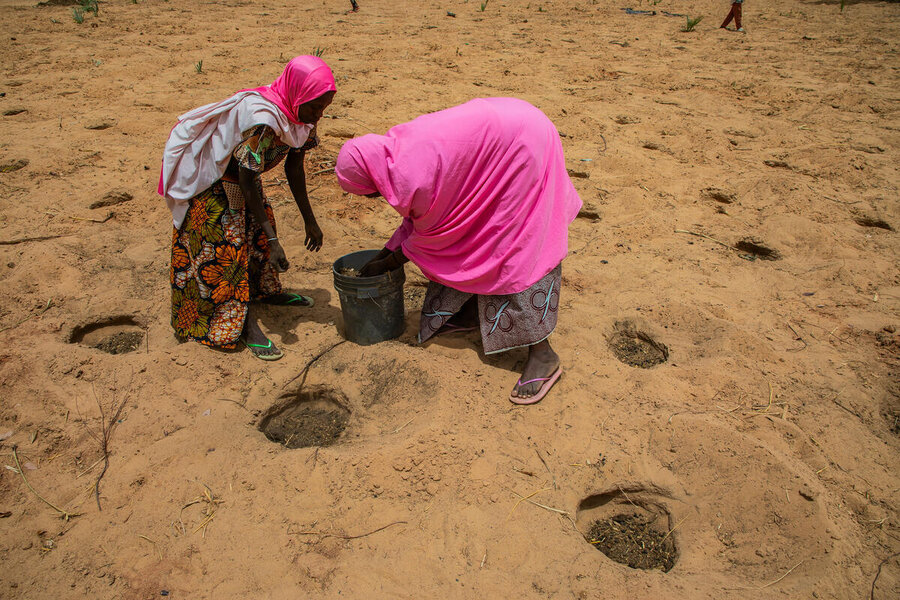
(768, 440)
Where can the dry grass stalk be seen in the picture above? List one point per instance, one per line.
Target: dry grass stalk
(538, 504)
(155, 545)
(64, 514)
(325, 534)
(43, 309)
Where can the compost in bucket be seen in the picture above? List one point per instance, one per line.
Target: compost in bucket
(118, 335)
(315, 417)
(372, 307)
(636, 348)
(632, 527)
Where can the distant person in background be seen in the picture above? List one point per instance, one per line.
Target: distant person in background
(225, 252)
(735, 14)
(486, 204)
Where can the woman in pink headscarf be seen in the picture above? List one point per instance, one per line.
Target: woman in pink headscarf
(225, 251)
(486, 204)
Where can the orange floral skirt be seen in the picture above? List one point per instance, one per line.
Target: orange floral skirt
(220, 261)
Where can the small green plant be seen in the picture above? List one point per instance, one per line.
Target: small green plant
(90, 6)
(199, 66)
(484, 5)
(78, 15)
(691, 23)
(318, 52)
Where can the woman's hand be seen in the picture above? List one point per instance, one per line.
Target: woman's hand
(376, 266)
(313, 236)
(277, 258)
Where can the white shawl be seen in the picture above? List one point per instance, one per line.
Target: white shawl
(202, 142)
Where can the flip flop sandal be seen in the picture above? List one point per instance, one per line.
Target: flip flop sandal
(293, 300)
(266, 346)
(548, 383)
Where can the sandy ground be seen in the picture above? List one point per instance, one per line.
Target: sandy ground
(768, 441)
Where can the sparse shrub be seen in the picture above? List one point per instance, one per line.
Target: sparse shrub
(90, 6)
(199, 66)
(78, 15)
(691, 23)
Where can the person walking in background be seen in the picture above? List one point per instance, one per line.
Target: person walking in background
(735, 14)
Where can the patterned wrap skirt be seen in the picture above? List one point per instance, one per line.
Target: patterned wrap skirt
(220, 261)
(506, 322)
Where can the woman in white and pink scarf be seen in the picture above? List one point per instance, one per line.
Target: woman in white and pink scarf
(225, 251)
(486, 204)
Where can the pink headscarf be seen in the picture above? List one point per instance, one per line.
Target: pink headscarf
(304, 78)
(482, 188)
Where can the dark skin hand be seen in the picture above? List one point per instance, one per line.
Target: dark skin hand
(308, 112)
(383, 262)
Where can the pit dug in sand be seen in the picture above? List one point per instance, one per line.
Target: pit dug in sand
(633, 540)
(631, 525)
(636, 348)
(118, 335)
(314, 417)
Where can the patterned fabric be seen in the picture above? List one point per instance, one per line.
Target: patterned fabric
(506, 322)
(220, 255)
(262, 150)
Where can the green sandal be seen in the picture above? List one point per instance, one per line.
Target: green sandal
(266, 346)
(287, 299)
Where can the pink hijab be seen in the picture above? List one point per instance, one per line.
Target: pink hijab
(482, 188)
(304, 78)
(200, 144)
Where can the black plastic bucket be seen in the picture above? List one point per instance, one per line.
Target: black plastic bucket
(372, 306)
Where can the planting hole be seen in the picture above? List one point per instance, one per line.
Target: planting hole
(118, 335)
(753, 249)
(870, 222)
(632, 527)
(636, 348)
(315, 417)
(13, 165)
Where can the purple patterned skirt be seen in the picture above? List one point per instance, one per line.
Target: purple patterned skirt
(506, 322)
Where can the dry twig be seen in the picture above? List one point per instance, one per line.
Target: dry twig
(539, 505)
(345, 537)
(523, 498)
(878, 573)
(40, 238)
(788, 572)
(106, 430)
(704, 236)
(64, 514)
(309, 364)
(555, 487)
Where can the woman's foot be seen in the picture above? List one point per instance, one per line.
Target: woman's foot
(256, 341)
(288, 299)
(541, 369)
